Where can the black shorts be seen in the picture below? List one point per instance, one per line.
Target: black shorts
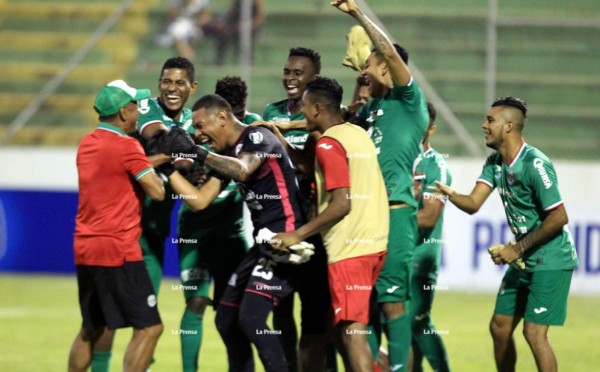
(117, 297)
(260, 275)
(311, 282)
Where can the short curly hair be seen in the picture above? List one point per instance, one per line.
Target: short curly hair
(314, 57)
(233, 89)
(181, 63)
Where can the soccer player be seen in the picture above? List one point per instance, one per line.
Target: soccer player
(220, 225)
(255, 159)
(528, 186)
(396, 117)
(301, 66)
(114, 173)
(352, 219)
(235, 91)
(430, 166)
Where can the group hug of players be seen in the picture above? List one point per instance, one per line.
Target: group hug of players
(346, 205)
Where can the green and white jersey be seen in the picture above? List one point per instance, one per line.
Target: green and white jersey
(251, 117)
(528, 187)
(152, 112)
(224, 216)
(156, 216)
(278, 111)
(430, 166)
(396, 124)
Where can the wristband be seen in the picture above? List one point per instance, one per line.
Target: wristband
(201, 153)
(167, 169)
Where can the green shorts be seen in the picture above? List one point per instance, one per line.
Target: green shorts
(393, 284)
(204, 255)
(539, 297)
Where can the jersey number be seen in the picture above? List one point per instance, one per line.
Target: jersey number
(258, 271)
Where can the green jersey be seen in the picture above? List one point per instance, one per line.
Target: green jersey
(528, 187)
(279, 111)
(396, 124)
(224, 216)
(156, 216)
(430, 166)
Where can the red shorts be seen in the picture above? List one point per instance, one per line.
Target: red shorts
(351, 282)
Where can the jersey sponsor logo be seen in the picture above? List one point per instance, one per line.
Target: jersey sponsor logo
(256, 137)
(540, 310)
(152, 300)
(539, 165)
(326, 146)
(392, 289)
(143, 106)
(297, 140)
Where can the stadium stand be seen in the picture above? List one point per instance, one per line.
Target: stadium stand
(552, 67)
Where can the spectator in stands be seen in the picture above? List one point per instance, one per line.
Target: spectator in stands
(226, 34)
(188, 22)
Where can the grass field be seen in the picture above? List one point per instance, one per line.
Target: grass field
(39, 317)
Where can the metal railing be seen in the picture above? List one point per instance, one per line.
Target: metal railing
(53, 84)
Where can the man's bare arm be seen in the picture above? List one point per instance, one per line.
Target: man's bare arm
(153, 186)
(197, 199)
(467, 203)
(384, 46)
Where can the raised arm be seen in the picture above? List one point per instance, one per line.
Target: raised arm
(467, 203)
(383, 45)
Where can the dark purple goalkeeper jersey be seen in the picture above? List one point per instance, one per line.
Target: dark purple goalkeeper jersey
(272, 192)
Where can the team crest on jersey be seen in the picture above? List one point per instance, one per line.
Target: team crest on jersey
(256, 137)
(510, 178)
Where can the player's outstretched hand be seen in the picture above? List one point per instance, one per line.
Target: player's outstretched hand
(270, 125)
(506, 253)
(442, 189)
(346, 6)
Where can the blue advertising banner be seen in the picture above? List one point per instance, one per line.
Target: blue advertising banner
(36, 232)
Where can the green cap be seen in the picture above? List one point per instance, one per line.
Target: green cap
(115, 95)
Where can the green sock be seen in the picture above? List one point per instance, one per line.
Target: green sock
(374, 340)
(101, 361)
(399, 337)
(191, 339)
(431, 346)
